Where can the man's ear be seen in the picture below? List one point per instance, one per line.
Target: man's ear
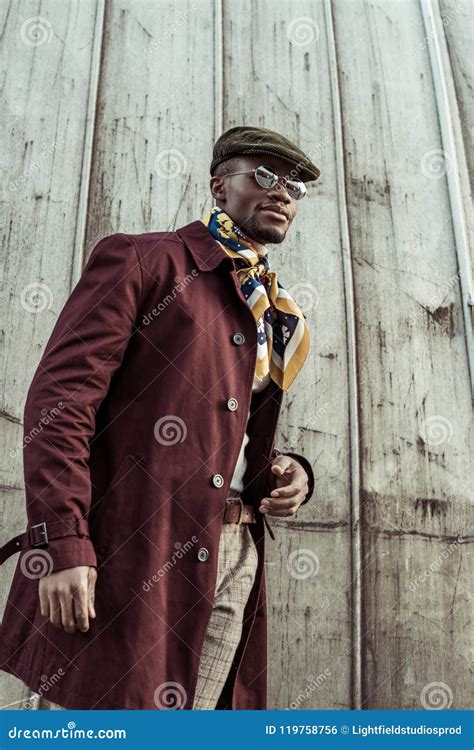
(217, 186)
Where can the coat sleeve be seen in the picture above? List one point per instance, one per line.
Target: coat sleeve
(306, 466)
(86, 346)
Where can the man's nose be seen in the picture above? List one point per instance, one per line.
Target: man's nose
(280, 190)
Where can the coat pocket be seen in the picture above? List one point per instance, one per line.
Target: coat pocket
(111, 517)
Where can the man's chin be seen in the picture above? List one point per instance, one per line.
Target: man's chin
(271, 235)
(267, 233)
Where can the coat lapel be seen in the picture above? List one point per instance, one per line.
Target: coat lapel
(206, 252)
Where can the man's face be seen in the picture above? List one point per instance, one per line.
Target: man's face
(249, 205)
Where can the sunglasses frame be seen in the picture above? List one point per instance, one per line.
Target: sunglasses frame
(282, 180)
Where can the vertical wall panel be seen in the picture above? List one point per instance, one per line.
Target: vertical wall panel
(415, 405)
(155, 123)
(276, 75)
(46, 60)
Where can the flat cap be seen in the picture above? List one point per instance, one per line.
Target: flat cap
(243, 140)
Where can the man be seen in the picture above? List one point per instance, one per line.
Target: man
(149, 457)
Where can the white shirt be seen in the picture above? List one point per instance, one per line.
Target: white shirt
(236, 483)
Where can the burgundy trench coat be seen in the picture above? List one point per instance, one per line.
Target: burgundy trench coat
(129, 449)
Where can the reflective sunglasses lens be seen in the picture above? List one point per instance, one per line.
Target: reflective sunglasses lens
(265, 177)
(296, 188)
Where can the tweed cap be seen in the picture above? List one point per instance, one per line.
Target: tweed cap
(243, 140)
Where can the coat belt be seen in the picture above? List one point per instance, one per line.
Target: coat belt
(39, 536)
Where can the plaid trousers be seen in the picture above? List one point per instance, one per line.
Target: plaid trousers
(236, 569)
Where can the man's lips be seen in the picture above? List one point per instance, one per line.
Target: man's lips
(275, 212)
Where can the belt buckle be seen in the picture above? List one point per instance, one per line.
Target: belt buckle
(43, 535)
(230, 500)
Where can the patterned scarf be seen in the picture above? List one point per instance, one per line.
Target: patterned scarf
(282, 333)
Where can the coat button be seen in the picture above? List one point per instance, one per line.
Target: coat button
(232, 404)
(203, 554)
(238, 338)
(217, 480)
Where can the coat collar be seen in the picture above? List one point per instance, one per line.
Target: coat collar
(205, 250)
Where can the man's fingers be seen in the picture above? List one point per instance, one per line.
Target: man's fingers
(287, 513)
(281, 502)
(286, 510)
(280, 468)
(81, 607)
(54, 609)
(67, 597)
(282, 472)
(92, 578)
(283, 506)
(288, 490)
(44, 600)
(67, 611)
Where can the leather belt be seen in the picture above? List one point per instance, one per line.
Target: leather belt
(237, 512)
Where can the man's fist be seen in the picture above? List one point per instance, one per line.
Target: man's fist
(67, 597)
(291, 486)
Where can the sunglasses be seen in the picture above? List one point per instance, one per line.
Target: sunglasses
(266, 178)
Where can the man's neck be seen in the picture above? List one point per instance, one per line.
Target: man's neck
(261, 249)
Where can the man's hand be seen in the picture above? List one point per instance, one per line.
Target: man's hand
(291, 486)
(67, 597)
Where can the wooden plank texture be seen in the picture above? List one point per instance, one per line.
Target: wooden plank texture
(46, 62)
(112, 110)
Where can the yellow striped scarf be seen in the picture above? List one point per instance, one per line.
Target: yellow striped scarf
(282, 333)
